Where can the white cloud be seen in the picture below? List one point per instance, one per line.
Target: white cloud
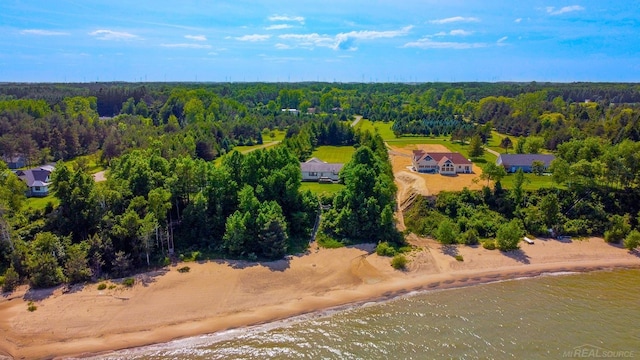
(427, 43)
(187, 46)
(343, 41)
(112, 35)
(281, 46)
(460, 32)
(455, 19)
(501, 41)
(196, 37)
(567, 9)
(278, 27)
(518, 20)
(43, 32)
(253, 38)
(299, 19)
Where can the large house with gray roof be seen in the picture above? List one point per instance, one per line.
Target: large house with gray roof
(315, 169)
(513, 162)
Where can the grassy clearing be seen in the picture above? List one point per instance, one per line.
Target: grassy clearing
(90, 162)
(318, 189)
(334, 154)
(41, 203)
(384, 129)
(534, 182)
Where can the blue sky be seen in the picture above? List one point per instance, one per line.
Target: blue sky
(328, 40)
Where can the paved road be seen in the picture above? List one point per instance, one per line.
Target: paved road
(356, 121)
(497, 154)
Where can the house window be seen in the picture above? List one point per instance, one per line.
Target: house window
(311, 173)
(37, 188)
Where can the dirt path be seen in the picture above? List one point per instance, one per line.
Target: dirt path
(490, 151)
(356, 121)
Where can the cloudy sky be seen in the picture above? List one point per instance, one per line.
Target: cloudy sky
(319, 40)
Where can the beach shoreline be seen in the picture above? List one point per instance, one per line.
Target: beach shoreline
(220, 295)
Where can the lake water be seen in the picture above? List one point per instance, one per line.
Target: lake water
(556, 316)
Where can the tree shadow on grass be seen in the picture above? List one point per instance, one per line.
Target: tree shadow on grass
(517, 255)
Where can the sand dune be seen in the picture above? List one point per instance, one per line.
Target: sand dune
(219, 295)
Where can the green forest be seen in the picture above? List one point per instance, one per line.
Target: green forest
(177, 189)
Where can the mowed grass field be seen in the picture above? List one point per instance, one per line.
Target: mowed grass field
(318, 188)
(334, 154)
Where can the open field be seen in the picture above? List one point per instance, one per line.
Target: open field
(334, 154)
(382, 128)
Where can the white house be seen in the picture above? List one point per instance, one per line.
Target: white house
(441, 163)
(315, 169)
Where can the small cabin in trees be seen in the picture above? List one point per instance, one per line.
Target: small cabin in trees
(513, 162)
(15, 162)
(315, 169)
(441, 163)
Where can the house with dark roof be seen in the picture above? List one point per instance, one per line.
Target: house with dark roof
(513, 162)
(38, 180)
(315, 169)
(440, 163)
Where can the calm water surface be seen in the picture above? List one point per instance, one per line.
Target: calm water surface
(561, 316)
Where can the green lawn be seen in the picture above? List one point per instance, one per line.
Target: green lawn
(534, 182)
(384, 129)
(40, 203)
(334, 154)
(91, 162)
(318, 188)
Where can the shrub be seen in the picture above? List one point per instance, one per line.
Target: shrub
(11, 279)
(459, 257)
(509, 235)
(328, 242)
(102, 286)
(31, 307)
(489, 244)
(447, 232)
(470, 237)
(399, 262)
(632, 240)
(184, 269)
(112, 286)
(128, 282)
(384, 249)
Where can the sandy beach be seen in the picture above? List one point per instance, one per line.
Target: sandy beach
(219, 295)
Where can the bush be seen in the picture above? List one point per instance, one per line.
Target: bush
(632, 240)
(328, 242)
(399, 262)
(384, 249)
(470, 237)
(31, 307)
(489, 244)
(459, 257)
(102, 286)
(184, 269)
(128, 282)
(509, 235)
(11, 279)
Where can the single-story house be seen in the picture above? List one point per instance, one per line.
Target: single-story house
(38, 180)
(441, 163)
(15, 162)
(513, 162)
(315, 169)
